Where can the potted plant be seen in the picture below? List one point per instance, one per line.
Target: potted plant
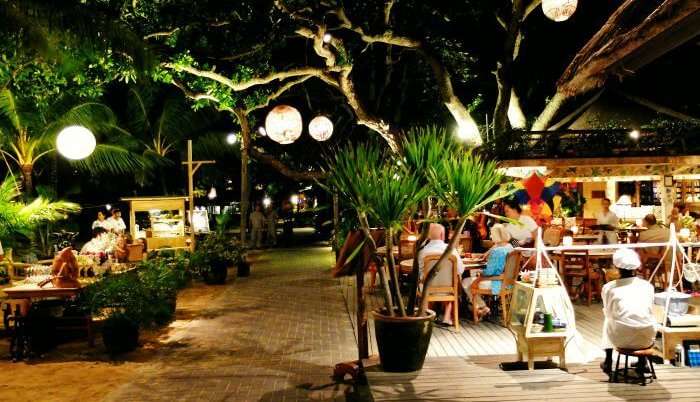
(159, 282)
(214, 254)
(389, 189)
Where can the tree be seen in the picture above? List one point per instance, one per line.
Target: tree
(27, 135)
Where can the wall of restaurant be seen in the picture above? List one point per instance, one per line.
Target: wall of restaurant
(593, 205)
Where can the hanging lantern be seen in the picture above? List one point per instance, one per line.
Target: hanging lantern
(283, 124)
(212, 193)
(559, 10)
(321, 128)
(75, 142)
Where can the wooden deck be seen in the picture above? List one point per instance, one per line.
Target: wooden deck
(463, 366)
(480, 379)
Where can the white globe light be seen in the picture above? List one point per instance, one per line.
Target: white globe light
(266, 202)
(212, 193)
(559, 10)
(283, 124)
(75, 142)
(321, 128)
(232, 138)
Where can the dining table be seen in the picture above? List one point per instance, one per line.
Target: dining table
(585, 238)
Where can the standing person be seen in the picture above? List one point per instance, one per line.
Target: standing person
(100, 222)
(257, 224)
(525, 230)
(271, 227)
(609, 220)
(627, 308)
(115, 223)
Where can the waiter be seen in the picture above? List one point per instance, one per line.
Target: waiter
(608, 219)
(627, 307)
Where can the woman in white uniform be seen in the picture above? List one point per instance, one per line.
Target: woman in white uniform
(608, 218)
(627, 308)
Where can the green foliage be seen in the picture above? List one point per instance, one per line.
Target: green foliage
(216, 248)
(18, 220)
(351, 171)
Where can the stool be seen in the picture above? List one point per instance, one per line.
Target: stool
(643, 355)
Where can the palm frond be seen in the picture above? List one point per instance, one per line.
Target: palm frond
(9, 109)
(112, 159)
(424, 149)
(351, 172)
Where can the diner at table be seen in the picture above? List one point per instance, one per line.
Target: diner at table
(608, 222)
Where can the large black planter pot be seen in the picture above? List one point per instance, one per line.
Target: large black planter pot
(243, 268)
(403, 341)
(217, 273)
(120, 334)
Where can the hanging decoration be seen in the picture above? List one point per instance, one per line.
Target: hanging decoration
(75, 142)
(321, 128)
(283, 124)
(559, 10)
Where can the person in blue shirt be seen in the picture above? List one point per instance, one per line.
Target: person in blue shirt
(495, 264)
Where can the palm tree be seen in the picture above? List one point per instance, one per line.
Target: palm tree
(27, 135)
(160, 127)
(18, 220)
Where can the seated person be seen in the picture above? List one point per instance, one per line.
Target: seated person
(102, 242)
(495, 264)
(627, 307)
(436, 246)
(120, 250)
(655, 233)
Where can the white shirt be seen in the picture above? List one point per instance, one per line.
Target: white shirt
(629, 320)
(116, 225)
(608, 219)
(522, 232)
(437, 247)
(104, 224)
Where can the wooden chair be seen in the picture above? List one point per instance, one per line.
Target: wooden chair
(134, 252)
(445, 286)
(649, 263)
(507, 278)
(406, 249)
(577, 265)
(552, 236)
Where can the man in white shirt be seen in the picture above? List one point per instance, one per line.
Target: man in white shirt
(115, 223)
(627, 308)
(525, 231)
(608, 218)
(436, 246)
(257, 224)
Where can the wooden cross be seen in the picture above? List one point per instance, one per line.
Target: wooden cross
(192, 167)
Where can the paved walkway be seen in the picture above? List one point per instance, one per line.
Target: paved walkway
(273, 336)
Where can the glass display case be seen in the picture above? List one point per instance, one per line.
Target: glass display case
(159, 221)
(541, 319)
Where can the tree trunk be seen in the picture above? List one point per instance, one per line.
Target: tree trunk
(544, 120)
(245, 179)
(388, 304)
(27, 183)
(504, 73)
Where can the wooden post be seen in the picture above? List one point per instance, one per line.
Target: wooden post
(362, 327)
(190, 192)
(336, 222)
(245, 180)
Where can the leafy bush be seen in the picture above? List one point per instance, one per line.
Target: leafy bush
(160, 285)
(214, 249)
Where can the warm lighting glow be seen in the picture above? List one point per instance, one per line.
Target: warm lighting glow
(567, 240)
(411, 238)
(574, 229)
(283, 124)
(625, 200)
(108, 207)
(684, 233)
(266, 201)
(232, 138)
(468, 132)
(321, 128)
(75, 142)
(212, 193)
(327, 38)
(559, 10)
(634, 134)
(294, 199)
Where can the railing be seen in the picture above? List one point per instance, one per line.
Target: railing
(593, 143)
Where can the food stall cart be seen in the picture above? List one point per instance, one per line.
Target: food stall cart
(159, 221)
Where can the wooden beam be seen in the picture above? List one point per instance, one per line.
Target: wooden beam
(692, 160)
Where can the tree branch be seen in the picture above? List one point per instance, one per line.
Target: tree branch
(284, 169)
(387, 37)
(284, 88)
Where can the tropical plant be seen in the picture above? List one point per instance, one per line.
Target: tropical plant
(27, 135)
(18, 220)
(390, 187)
(160, 123)
(214, 251)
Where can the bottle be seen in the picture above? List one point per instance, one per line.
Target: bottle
(678, 356)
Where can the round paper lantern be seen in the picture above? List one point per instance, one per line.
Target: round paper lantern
(321, 128)
(559, 10)
(283, 124)
(232, 138)
(75, 142)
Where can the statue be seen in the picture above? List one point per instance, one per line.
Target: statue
(64, 270)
